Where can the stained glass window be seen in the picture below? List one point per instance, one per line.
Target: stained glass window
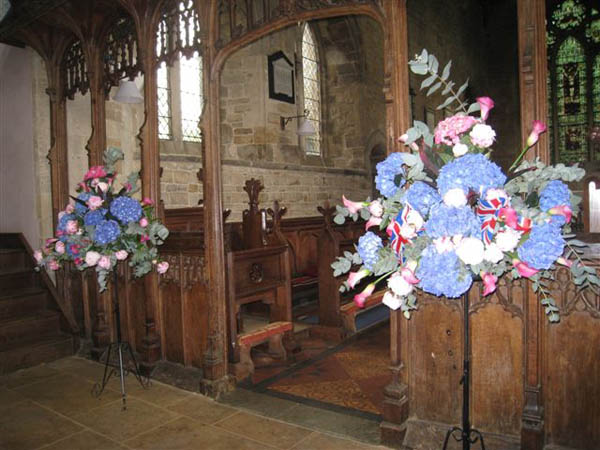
(312, 89)
(574, 97)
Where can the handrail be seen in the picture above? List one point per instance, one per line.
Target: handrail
(65, 307)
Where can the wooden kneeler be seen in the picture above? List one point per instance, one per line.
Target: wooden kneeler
(273, 334)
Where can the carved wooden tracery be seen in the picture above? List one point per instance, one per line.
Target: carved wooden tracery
(76, 68)
(178, 32)
(121, 53)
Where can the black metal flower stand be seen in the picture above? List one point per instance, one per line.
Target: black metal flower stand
(121, 348)
(466, 434)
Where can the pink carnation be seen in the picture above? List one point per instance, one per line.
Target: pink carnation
(94, 172)
(448, 131)
(94, 202)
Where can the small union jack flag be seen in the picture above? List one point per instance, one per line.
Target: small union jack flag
(487, 211)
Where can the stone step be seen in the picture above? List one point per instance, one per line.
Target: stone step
(14, 258)
(18, 302)
(33, 351)
(41, 323)
(18, 278)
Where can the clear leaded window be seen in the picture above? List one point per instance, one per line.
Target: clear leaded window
(190, 72)
(311, 82)
(164, 103)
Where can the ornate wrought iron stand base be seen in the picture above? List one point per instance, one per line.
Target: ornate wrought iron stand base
(119, 348)
(466, 434)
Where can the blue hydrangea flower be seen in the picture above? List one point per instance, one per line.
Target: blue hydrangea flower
(62, 223)
(446, 221)
(369, 245)
(107, 231)
(440, 273)
(126, 209)
(94, 217)
(387, 172)
(555, 193)
(544, 246)
(471, 171)
(422, 197)
(79, 208)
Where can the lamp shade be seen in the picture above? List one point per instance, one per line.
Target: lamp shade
(306, 128)
(128, 93)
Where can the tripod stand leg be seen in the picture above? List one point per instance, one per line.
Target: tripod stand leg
(136, 369)
(98, 388)
(123, 395)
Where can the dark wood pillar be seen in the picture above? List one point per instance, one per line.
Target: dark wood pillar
(146, 16)
(533, 93)
(396, 403)
(215, 366)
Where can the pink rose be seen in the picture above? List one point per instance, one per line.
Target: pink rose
(38, 256)
(53, 265)
(538, 128)
(143, 222)
(69, 209)
(162, 267)
(94, 172)
(72, 227)
(94, 202)
(91, 258)
(104, 262)
(59, 247)
(485, 103)
(144, 238)
(121, 255)
(147, 201)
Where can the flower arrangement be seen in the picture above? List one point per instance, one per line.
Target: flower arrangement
(101, 227)
(451, 215)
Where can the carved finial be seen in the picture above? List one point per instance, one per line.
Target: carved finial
(327, 212)
(253, 188)
(276, 213)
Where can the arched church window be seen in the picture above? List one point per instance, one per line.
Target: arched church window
(573, 39)
(311, 89)
(179, 75)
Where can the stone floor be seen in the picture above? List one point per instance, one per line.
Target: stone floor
(51, 407)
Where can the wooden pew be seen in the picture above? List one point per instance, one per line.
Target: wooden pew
(335, 312)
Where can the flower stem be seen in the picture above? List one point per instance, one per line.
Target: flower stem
(518, 158)
(461, 103)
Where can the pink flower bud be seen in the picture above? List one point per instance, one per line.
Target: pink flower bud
(144, 238)
(143, 222)
(373, 221)
(360, 299)
(353, 207)
(562, 210)
(524, 269)
(538, 128)
(147, 201)
(486, 104)
(162, 267)
(355, 277)
(489, 283)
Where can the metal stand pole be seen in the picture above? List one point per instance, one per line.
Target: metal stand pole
(120, 346)
(466, 434)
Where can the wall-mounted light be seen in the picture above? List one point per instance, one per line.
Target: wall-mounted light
(306, 128)
(128, 92)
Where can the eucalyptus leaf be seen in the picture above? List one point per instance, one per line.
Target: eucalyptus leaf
(446, 71)
(428, 81)
(434, 88)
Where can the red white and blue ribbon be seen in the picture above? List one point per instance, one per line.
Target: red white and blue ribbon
(487, 211)
(393, 230)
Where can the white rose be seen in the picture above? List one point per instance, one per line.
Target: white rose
(92, 257)
(455, 197)
(460, 149)
(399, 285)
(415, 219)
(391, 301)
(482, 135)
(470, 251)
(493, 194)
(493, 253)
(508, 239)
